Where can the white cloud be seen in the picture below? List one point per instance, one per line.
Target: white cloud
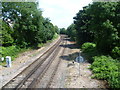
(61, 12)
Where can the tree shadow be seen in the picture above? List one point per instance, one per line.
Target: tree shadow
(73, 44)
(70, 57)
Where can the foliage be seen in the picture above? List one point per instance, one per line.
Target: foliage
(24, 27)
(71, 32)
(9, 51)
(82, 22)
(99, 23)
(63, 31)
(88, 47)
(6, 38)
(106, 68)
(29, 26)
(104, 26)
(116, 52)
(57, 29)
(89, 50)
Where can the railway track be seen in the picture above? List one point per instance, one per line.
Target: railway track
(44, 81)
(54, 72)
(31, 75)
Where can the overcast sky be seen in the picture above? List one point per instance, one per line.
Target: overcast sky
(61, 12)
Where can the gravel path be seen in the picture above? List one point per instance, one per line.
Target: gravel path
(68, 75)
(74, 79)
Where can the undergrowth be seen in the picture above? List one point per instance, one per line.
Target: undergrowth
(103, 67)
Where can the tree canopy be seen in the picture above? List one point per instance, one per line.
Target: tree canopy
(99, 23)
(28, 25)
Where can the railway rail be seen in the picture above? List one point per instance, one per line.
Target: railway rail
(47, 78)
(33, 74)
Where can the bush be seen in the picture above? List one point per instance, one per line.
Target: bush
(9, 51)
(116, 52)
(106, 68)
(89, 50)
(88, 47)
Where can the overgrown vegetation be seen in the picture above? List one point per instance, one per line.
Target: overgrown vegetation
(23, 26)
(89, 50)
(97, 30)
(106, 68)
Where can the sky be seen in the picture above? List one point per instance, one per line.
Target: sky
(61, 12)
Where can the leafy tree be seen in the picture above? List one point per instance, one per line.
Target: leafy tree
(104, 26)
(82, 22)
(22, 15)
(7, 39)
(99, 23)
(62, 31)
(71, 31)
(30, 27)
(57, 29)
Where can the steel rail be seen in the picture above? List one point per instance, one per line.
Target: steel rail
(54, 72)
(50, 50)
(40, 75)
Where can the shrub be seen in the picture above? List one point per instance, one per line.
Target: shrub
(106, 68)
(116, 52)
(88, 47)
(9, 51)
(89, 50)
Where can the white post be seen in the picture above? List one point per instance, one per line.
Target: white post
(8, 61)
(2, 59)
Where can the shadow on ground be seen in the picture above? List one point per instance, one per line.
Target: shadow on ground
(73, 45)
(70, 57)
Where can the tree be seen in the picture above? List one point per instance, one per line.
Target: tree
(30, 27)
(6, 38)
(103, 25)
(62, 31)
(57, 29)
(22, 15)
(71, 31)
(82, 22)
(99, 23)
